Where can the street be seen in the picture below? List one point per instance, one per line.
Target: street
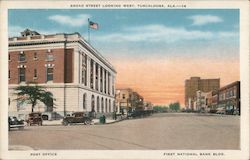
(163, 131)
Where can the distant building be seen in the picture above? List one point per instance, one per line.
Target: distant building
(202, 100)
(229, 98)
(195, 84)
(147, 106)
(79, 77)
(128, 100)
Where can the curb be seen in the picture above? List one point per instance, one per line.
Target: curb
(97, 123)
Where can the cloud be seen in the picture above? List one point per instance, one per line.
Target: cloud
(15, 31)
(74, 21)
(199, 20)
(161, 33)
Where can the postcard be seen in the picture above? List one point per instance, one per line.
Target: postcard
(124, 80)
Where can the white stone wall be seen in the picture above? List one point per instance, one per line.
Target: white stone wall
(71, 95)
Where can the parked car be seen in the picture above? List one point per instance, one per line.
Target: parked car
(14, 122)
(77, 117)
(35, 118)
(221, 110)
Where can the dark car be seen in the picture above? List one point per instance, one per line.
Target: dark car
(77, 117)
(14, 122)
(35, 118)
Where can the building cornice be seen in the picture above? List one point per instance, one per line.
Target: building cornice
(59, 38)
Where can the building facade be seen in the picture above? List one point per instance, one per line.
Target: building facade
(202, 101)
(79, 77)
(195, 84)
(229, 98)
(128, 100)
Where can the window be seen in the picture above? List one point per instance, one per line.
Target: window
(50, 57)
(49, 74)
(102, 107)
(98, 105)
(84, 69)
(9, 57)
(114, 109)
(123, 96)
(49, 105)
(109, 105)
(9, 74)
(106, 105)
(84, 101)
(96, 77)
(91, 74)
(92, 103)
(21, 74)
(101, 80)
(108, 83)
(35, 56)
(35, 73)
(22, 57)
(105, 78)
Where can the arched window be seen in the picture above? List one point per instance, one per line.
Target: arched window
(106, 105)
(84, 101)
(109, 105)
(98, 105)
(102, 105)
(92, 103)
(114, 109)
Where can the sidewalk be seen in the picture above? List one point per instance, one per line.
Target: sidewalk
(95, 122)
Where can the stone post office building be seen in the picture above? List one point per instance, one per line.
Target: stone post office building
(79, 77)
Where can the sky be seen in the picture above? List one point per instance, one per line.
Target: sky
(153, 51)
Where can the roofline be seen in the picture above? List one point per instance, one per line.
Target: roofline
(81, 40)
(229, 85)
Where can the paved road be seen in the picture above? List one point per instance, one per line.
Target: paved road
(158, 132)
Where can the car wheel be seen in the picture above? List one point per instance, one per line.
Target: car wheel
(87, 122)
(21, 128)
(65, 123)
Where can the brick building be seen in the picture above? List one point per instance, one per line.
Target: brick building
(229, 98)
(79, 77)
(195, 84)
(128, 100)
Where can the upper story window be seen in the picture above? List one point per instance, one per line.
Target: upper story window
(49, 74)
(21, 74)
(50, 56)
(35, 56)
(22, 56)
(9, 57)
(35, 73)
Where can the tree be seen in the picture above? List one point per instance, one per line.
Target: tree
(174, 106)
(32, 94)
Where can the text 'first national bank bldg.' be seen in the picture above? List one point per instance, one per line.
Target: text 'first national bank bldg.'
(79, 77)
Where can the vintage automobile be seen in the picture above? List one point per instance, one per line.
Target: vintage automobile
(77, 117)
(14, 122)
(220, 110)
(35, 118)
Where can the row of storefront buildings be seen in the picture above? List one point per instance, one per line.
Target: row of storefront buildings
(77, 75)
(207, 95)
(128, 100)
